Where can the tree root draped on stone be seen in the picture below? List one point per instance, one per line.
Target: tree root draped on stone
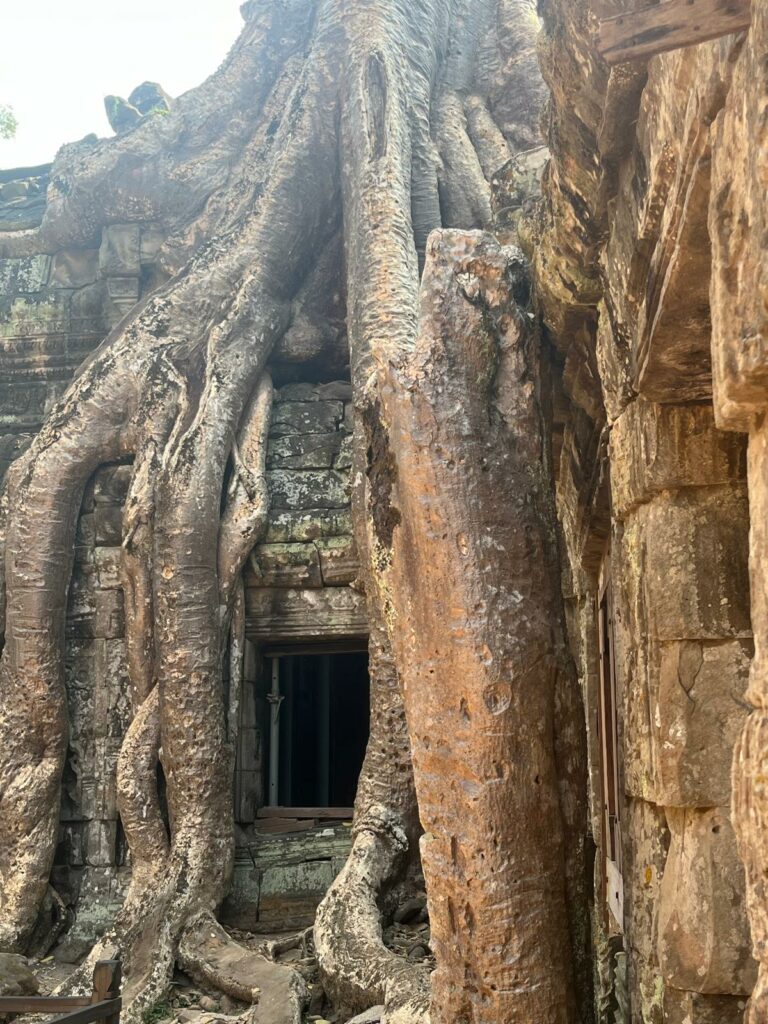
(386, 117)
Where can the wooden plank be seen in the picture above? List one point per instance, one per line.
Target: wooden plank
(109, 1009)
(107, 975)
(87, 1013)
(276, 826)
(42, 1004)
(669, 25)
(305, 812)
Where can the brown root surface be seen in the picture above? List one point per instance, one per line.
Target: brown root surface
(386, 118)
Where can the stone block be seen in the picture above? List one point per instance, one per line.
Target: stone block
(309, 489)
(22, 402)
(284, 565)
(107, 562)
(655, 448)
(111, 485)
(344, 458)
(120, 252)
(275, 614)
(643, 871)
(101, 840)
(72, 844)
(109, 618)
(16, 978)
(74, 268)
(688, 553)
(152, 237)
(704, 941)
(694, 1008)
(34, 316)
(24, 275)
(305, 418)
(241, 907)
(108, 525)
(347, 423)
(293, 891)
(339, 562)
(738, 220)
(296, 526)
(87, 308)
(698, 715)
(335, 390)
(303, 451)
(613, 363)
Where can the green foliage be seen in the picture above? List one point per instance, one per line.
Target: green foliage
(160, 1010)
(8, 122)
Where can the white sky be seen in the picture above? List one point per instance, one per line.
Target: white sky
(60, 58)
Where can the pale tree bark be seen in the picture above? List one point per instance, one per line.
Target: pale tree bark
(365, 121)
(468, 532)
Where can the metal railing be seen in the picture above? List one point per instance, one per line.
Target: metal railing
(103, 1004)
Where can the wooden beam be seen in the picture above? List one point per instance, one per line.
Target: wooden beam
(87, 1012)
(669, 25)
(275, 826)
(305, 812)
(42, 1004)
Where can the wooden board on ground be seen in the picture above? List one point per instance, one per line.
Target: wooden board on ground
(344, 813)
(670, 25)
(274, 826)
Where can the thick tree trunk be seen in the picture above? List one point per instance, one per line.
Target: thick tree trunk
(381, 121)
(477, 624)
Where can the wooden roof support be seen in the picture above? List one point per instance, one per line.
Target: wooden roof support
(669, 25)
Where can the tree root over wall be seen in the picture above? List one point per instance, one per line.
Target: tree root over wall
(363, 121)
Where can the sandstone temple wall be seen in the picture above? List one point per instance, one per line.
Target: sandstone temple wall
(648, 276)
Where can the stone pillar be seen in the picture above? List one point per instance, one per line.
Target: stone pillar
(684, 644)
(91, 865)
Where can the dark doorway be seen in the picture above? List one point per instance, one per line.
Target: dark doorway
(319, 727)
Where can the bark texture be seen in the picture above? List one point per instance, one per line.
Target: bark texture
(391, 119)
(477, 620)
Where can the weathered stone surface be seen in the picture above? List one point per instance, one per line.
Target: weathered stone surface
(16, 978)
(738, 222)
(304, 451)
(694, 1008)
(643, 870)
(682, 611)
(152, 237)
(339, 561)
(314, 488)
(306, 417)
(284, 565)
(337, 390)
(703, 933)
(699, 711)
(284, 875)
(686, 555)
(120, 252)
(111, 485)
(27, 274)
(305, 614)
(297, 527)
(613, 359)
(667, 447)
(75, 268)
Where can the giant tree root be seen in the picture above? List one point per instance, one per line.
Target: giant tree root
(381, 119)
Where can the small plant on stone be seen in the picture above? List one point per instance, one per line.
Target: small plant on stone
(160, 1010)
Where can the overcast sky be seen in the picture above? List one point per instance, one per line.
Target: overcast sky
(60, 58)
